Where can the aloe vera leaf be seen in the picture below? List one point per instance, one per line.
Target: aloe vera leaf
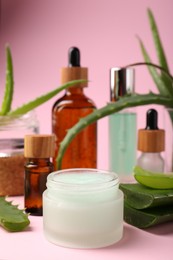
(159, 50)
(42, 99)
(152, 179)
(12, 218)
(147, 217)
(149, 64)
(141, 197)
(157, 41)
(163, 89)
(8, 94)
(124, 102)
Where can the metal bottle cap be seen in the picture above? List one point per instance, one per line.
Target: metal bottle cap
(122, 82)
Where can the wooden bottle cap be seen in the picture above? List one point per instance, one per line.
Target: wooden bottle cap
(74, 73)
(39, 146)
(151, 141)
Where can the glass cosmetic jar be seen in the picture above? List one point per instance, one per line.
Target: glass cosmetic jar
(12, 132)
(83, 208)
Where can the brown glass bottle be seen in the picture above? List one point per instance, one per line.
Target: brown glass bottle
(38, 150)
(66, 112)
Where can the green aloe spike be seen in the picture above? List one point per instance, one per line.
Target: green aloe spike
(8, 94)
(160, 51)
(163, 83)
(157, 41)
(154, 73)
(11, 217)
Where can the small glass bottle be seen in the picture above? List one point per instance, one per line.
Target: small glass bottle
(66, 112)
(122, 126)
(37, 150)
(151, 142)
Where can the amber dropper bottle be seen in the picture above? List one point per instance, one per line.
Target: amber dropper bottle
(82, 152)
(38, 150)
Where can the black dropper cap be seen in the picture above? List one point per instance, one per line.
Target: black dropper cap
(74, 57)
(152, 118)
(74, 71)
(151, 139)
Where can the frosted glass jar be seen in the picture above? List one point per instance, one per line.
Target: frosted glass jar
(83, 208)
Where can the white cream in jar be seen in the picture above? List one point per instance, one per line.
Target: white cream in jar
(83, 208)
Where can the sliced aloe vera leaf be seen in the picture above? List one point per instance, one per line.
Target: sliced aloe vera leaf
(147, 217)
(152, 179)
(141, 197)
(11, 217)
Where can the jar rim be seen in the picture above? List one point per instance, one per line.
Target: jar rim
(82, 179)
(14, 143)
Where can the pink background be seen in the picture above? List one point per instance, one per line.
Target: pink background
(40, 33)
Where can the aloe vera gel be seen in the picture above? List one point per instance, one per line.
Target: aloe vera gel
(83, 208)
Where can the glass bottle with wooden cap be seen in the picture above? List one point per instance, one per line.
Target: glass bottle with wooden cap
(66, 112)
(38, 150)
(151, 142)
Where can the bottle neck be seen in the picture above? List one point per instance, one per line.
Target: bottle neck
(151, 154)
(74, 90)
(38, 161)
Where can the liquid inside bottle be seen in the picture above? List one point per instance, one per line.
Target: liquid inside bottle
(122, 138)
(36, 172)
(67, 111)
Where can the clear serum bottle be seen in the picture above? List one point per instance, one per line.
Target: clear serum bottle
(66, 112)
(122, 125)
(151, 142)
(38, 150)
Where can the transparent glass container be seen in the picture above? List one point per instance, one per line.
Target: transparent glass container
(12, 132)
(83, 208)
